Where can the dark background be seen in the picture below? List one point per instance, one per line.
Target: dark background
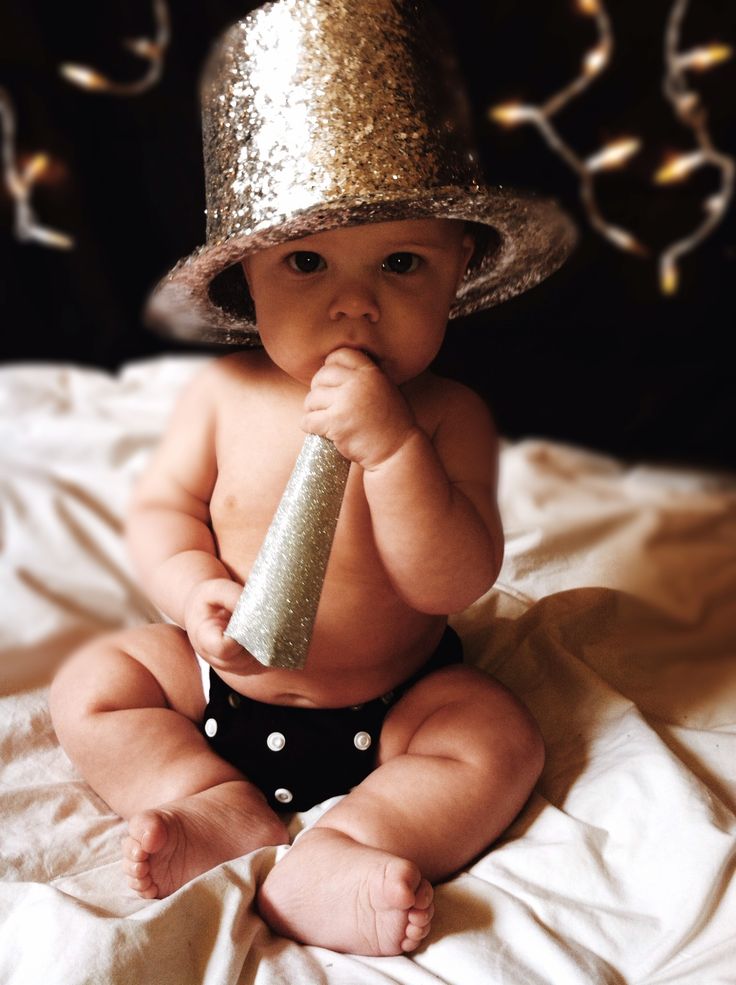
(594, 356)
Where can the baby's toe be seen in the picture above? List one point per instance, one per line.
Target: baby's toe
(424, 895)
(419, 921)
(137, 870)
(133, 850)
(150, 893)
(140, 885)
(421, 918)
(414, 933)
(150, 830)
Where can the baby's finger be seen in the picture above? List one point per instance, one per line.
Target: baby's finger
(231, 592)
(349, 358)
(331, 376)
(314, 401)
(316, 422)
(206, 638)
(215, 647)
(318, 399)
(229, 649)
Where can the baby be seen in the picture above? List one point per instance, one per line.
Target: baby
(434, 757)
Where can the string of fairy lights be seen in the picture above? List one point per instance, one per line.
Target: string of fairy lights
(20, 179)
(151, 49)
(686, 104)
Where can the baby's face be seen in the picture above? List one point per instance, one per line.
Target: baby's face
(385, 288)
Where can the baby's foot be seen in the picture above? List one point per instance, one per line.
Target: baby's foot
(332, 891)
(172, 844)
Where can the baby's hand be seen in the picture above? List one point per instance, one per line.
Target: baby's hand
(353, 403)
(206, 614)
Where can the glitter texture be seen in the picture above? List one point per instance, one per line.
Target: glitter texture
(275, 614)
(319, 114)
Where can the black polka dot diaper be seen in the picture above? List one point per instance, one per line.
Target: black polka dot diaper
(301, 756)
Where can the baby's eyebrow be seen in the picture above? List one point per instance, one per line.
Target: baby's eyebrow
(416, 244)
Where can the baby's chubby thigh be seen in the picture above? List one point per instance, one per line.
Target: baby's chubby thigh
(458, 757)
(126, 707)
(142, 666)
(460, 712)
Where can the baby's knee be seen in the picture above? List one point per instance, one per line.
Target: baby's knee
(527, 747)
(99, 677)
(73, 691)
(511, 743)
(64, 702)
(523, 752)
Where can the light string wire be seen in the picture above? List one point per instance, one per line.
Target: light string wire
(152, 50)
(20, 181)
(616, 154)
(686, 104)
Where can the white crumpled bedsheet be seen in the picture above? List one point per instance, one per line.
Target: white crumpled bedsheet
(614, 619)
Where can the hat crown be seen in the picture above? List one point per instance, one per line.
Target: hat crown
(313, 102)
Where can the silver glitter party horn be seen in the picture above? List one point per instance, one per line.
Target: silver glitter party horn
(275, 613)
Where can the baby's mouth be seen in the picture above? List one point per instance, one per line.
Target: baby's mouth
(371, 355)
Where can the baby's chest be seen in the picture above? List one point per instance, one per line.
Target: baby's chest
(246, 497)
(255, 452)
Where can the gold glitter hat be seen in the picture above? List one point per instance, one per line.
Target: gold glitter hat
(320, 114)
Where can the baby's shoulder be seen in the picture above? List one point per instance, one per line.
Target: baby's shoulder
(236, 368)
(213, 388)
(461, 429)
(226, 376)
(443, 400)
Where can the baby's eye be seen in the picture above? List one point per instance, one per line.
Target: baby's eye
(305, 262)
(401, 263)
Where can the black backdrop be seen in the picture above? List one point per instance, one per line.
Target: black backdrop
(595, 356)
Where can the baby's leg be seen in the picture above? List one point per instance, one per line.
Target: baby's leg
(458, 758)
(125, 709)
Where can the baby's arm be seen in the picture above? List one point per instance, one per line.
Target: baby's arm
(434, 512)
(432, 500)
(168, 530)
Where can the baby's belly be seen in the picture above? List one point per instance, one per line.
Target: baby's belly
(366, 639)
(362, 647)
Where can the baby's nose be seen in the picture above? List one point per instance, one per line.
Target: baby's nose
(354, 300)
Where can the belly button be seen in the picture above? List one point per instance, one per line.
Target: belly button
(298, 700)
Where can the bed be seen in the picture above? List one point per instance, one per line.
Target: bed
(614, 620)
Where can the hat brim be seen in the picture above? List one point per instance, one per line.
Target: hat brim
(530, 238)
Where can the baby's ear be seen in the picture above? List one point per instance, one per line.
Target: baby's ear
(467, 250)
(244, 265)
(468, 246)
